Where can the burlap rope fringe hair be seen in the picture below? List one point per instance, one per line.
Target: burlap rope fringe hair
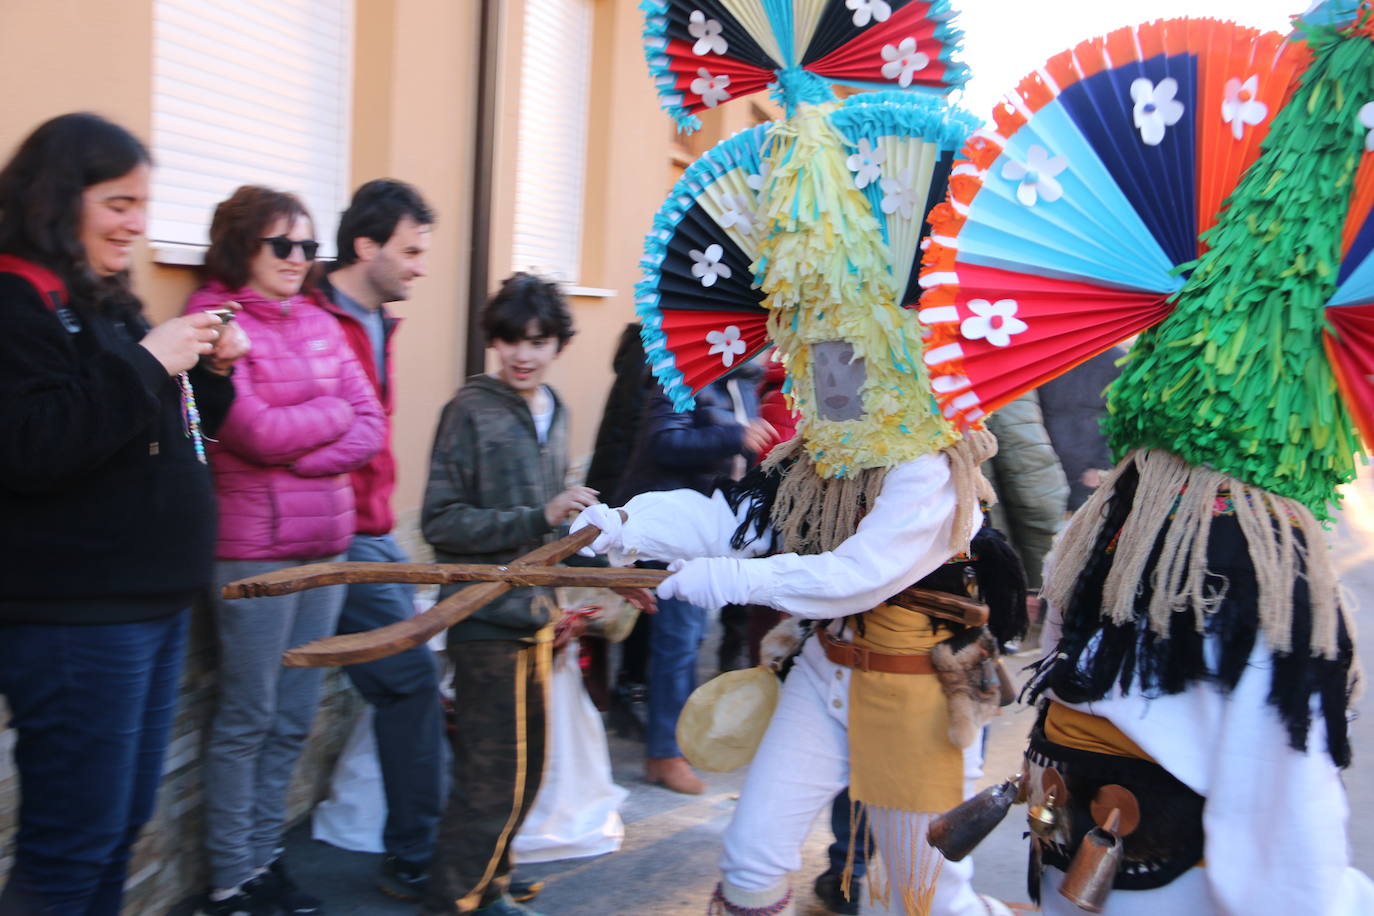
(814, 514)
(1180, 578)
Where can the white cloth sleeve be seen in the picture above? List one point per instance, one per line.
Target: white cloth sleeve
(681, 525)
(903, 538)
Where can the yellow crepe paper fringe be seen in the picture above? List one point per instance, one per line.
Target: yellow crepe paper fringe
(824, 270)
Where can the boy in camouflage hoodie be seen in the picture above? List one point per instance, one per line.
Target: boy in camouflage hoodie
(496, 492)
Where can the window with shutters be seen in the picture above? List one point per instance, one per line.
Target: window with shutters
(250, 92)
(551, 157)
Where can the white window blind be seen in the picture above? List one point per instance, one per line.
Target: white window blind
(551, 158)
(248, 92)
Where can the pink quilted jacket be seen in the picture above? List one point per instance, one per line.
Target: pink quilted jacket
(304, 415)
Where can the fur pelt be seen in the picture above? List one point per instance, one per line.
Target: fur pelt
(966, 666)
(782, 642)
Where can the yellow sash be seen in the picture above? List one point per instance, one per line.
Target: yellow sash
(1070, 728)
(899, 749)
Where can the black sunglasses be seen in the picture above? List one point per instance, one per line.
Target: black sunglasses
(281, 246)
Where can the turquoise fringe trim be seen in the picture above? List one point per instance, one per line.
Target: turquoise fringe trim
(884, 114)
(876, 114)
(744, 150)
(655, 40)
(1328, 14)
(796, 86)
(951, 39)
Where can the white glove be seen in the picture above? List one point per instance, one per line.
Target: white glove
(605, 518)
(709, 582)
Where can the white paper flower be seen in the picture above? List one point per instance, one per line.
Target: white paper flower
(737, 213)
(994, 322)
(1036, 175)
(903, 61)
(898, 194)
(706, 264)
(1367, 120)
(727, 343)
(864, 10)
(707, 33)
(866, 164)
(711, 88)
(759, 178)
(1155, 108)
(1240, 107)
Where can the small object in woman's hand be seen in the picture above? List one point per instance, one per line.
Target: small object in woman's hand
(224, 315)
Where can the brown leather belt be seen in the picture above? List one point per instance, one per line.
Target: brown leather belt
(848, 655)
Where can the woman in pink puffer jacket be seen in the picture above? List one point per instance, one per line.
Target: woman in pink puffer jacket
(304, 415)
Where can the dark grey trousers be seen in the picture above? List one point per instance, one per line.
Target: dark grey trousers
(263, 716)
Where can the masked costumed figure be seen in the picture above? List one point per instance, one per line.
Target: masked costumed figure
(805, 234)
(1209, 185)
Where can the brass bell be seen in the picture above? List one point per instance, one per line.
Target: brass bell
(1093, 869)
(960, 829)
(1043, 818)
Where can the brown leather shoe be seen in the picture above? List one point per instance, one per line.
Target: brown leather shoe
(674, 774)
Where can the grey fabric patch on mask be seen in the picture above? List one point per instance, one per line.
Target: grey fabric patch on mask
(837, 378)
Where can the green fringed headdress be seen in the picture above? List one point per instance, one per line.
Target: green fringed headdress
(1236, 378)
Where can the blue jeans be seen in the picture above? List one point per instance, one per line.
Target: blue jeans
(409, 720)
(93, 708)
(675, 635)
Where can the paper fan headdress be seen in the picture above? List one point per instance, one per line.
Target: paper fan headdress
(704, 52)
(1207, 184)
(805, 233)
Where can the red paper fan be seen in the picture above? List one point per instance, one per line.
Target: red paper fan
(1055, 324)
(706, 342)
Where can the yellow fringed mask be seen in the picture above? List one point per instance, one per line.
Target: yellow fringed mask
(852, 353)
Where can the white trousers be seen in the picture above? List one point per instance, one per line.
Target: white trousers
(801, 765)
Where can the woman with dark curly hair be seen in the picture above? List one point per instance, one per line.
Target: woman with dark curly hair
(304, 417)
(106, 510)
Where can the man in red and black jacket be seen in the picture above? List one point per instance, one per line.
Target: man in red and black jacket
(383, 242)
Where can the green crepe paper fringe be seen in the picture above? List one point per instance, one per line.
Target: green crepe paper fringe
(1236, 377)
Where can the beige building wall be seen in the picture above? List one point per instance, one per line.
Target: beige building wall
(414, 117)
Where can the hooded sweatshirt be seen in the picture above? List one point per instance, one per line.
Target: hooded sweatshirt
(489, 479)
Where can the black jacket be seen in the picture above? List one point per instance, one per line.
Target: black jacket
(106, 515)
(619, 428)
(1074, 405)
(692, 449)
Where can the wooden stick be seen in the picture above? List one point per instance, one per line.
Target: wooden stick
(494, 581)
(942, 604)
(300, 578)
(352, 648)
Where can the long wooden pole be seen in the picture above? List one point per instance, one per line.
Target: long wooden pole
(352, 648)
(300, 578)
(534, 568)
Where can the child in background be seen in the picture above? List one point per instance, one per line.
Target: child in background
(496, 492)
